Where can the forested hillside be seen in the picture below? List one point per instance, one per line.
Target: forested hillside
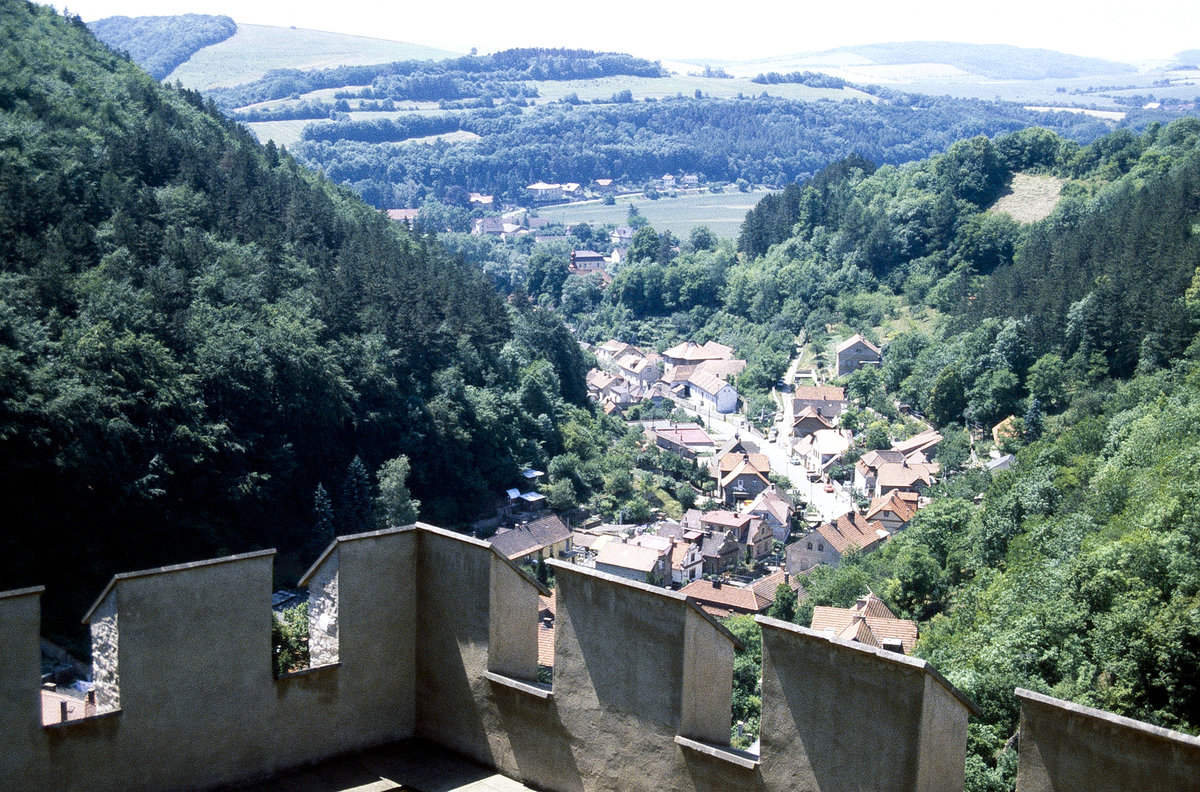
(195, 332)
(761, 140)
(454, 78)
(159, 44)
(1076, 573)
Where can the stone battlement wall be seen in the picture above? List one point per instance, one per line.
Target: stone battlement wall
(421, 632)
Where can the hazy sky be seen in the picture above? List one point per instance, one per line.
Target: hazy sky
(731, 30)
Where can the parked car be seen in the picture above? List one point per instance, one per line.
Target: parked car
(829, 486)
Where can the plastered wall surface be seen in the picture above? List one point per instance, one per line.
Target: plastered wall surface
(1066, 747)
(421, 632)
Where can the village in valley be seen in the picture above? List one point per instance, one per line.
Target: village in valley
(784, 493)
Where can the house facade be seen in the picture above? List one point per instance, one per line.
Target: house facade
(712, 390)
(854, 353)
(828, 542)
(828, 401)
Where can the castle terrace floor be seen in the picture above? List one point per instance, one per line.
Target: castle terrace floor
(411, 766)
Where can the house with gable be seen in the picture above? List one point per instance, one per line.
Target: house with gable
(808, 421)
(821, 449)
(631, 561)
(720, 552)
(914, 477)
(866, 469)
(687, 562)
(721, 599)
(642, 369)
(828, 401)
(621, 237)
(775, 510)
(611, 350)
(712, 390)
(828, 542)
(869, 622)
(545, 537)
(894, 510)
(925, 443)
(740, 477)
(752, 535)
(487, 226)
(854, 353)
(766, 587)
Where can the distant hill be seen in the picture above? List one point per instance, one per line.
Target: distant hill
(985, 61)
(160, 43)
(995, 61)
(257, 49)
(1190, 57)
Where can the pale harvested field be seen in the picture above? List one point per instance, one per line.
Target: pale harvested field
(1029, 198)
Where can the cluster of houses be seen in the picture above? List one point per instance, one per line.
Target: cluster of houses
(688, 371)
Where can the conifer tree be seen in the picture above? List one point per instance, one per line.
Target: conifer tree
(324, 524)
(355, 509)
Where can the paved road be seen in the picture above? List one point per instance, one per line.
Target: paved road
(724, 427)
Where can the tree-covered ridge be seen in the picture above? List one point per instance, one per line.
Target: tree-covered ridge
(453, 78)
(160, 43)
(761, 140)
(195, 331)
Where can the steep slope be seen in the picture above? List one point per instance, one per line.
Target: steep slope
(256, 50)
(160, 43)
(195, 331)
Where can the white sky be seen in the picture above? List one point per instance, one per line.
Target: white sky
(730, 30)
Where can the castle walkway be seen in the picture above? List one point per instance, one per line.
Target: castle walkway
(411, 766)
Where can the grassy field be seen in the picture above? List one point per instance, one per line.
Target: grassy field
(1029, 198)
(721, 212)
(284, 133)
(287, 133)
(256, 49)
(683, 85)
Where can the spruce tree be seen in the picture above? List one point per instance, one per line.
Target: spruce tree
(324, 524)
(356, 509)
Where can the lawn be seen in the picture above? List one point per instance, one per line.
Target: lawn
(721, 212)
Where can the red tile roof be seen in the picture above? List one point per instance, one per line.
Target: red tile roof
(902, 504)
(852, 340)
(852, 529)
(869, 622)
(765, 587)
(725, 596)
(819, 393)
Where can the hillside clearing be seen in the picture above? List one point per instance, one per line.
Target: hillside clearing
(256, 49)
(723, 212)
(1029, 198)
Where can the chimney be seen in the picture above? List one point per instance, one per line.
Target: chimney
(62, 711)
(716, 585)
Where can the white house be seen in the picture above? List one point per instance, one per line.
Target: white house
(711, 389)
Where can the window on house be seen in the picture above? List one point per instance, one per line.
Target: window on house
(810, 545)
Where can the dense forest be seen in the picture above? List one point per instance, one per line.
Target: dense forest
(197, 334)
(762, 140)
(159, 44)
(206, 348)
(1076, 572)
(454, 78)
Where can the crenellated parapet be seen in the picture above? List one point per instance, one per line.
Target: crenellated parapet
(422, 632)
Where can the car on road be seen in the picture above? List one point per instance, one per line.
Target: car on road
(829, 486)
